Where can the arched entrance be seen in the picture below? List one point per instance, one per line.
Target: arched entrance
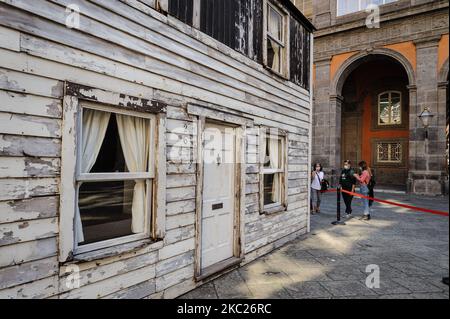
(374, 95)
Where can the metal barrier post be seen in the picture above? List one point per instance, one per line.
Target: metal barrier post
(338, 208)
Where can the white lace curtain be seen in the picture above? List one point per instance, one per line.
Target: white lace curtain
(134, 138)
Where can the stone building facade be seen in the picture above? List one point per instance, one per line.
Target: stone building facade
(391, 72)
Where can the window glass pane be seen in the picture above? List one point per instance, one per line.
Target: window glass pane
(269, 189)
(347, 6)
(384, 109)
(274, 55)
(396, 109)
(275, 24)
(273, 153)
(110, 158)
(106, 210)
(102, 145)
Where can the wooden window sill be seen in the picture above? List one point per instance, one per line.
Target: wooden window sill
(117, 250)
(274, 210)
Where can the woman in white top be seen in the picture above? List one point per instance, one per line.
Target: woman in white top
(317, 177)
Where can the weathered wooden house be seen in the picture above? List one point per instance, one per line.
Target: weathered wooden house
(137, 153)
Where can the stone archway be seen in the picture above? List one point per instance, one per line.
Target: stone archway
(337, 98)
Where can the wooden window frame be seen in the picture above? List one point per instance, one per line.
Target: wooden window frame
(284, 45)
(77, 97)
(283, 171)
(149, 176)
(390, 109)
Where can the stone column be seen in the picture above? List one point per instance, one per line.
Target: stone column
(426, 156)
(327, 121)
(321, 116)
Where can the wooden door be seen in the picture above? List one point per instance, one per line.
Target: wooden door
(218, 197)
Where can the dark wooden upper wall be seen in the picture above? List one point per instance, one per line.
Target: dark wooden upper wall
(239, 24)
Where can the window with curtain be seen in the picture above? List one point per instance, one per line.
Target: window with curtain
(273, 170)
(114, 179)
(390, 108)
(276, 39)
(350, 6)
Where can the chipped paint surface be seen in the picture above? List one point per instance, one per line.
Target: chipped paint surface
(119, 99)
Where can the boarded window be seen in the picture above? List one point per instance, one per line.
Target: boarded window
(300, 54)
(228, 21)
(182, 10)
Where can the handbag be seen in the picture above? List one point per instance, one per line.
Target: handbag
(324, 184)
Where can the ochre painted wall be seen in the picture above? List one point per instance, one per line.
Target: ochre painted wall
(407, 49)
(443, 51)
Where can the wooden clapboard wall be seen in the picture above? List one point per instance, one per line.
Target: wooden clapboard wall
(127, 47)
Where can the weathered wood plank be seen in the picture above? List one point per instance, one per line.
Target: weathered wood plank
(175, 277)
(111, 285)
(38, 289)
(24, 252)
(178, 248)
(28, 272)
(19, 103)
(180, 207)
(17, 167)
(28, 209)
(27, 188)
(179, 234)
(9, 39)
(181, 220)
(13, 145)
(112, 270)
(172, 264)
(17, 124)
(28, 230)
(182, 193)
(25, 83)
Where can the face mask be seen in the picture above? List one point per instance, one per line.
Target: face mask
(346, 166)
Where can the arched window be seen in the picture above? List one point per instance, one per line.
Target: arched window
(390, 108)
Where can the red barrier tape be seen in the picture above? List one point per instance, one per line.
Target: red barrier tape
(425, 210)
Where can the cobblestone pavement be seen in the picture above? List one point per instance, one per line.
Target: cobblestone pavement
(410, 248)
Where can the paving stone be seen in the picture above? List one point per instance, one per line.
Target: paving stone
(348, 288)
(206, 291)
(308, 290)
(410, 248)
(231, 286)
(269, 291)
(417, 284)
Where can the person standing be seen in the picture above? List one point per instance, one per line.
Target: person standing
(364, 180)
(348, 183)
(317, 176)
